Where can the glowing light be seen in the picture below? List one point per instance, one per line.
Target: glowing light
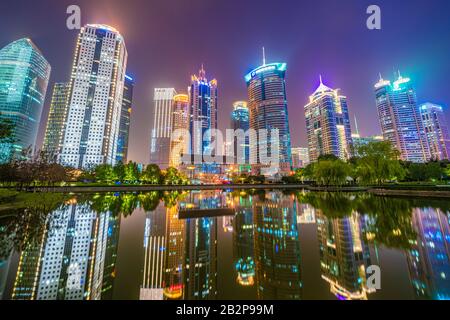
(281, 67)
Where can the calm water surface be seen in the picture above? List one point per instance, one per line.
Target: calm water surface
(224, 245)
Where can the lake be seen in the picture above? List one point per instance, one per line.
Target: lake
(264, 244)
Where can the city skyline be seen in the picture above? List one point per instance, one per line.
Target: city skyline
(417, 60)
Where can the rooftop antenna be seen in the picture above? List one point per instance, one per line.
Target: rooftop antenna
(264, 56)
(202, 72)
(399, 74)
(320, 78)
(356, 126)
(381, 77)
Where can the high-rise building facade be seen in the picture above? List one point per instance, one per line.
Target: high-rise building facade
(328, 124)
(24, 76)
(203, 113)
(96, 90)
(436, 130)
(268, 110)
(400, 119)
(56, 120)
(300, 157)
(125, 118)
(179, 144)
(162, 127)
(240, 120)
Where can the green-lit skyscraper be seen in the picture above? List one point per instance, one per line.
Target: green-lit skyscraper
(24, 76)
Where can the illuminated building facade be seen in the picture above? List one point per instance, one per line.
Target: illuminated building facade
(162, 127)
(96, 91)
(400, 119)
(125, 119)
(328, 124)
(344, 255)
(436, 130)
(56, 120)
(24, 76)
(268, 110)
(240, 120)
(179, 145)
(429, 257)
(203, 101)
(277, 247)
(300, 157)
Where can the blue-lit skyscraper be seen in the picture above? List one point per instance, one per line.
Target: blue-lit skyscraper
(240, 120)
(268, 110)
(400, 119)
(328, 124)
(436, 130)
(24, 76)
(125, 117)
(203, 113)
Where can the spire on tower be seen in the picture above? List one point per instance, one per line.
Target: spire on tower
(320, 78)
(356, 126)
(202, 72)
(264, 56)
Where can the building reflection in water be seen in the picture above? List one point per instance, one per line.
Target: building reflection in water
(277, 248)
(181, 255)
(429, 258)
(154, 254)
(344, 256)
(243, 240)
(74, 258)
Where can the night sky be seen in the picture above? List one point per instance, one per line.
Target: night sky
(168, 40)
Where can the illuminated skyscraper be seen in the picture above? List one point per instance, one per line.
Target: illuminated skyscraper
(162, 127)
(203, 113)
(400, 119)
(240, 120)
(436, 130)
(24, 75)
(328, 124)
(125, 118)
(268, 110)
(56, 120)
(180, 121)
(96, 91)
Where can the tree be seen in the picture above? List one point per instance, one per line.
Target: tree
(331, 172)
(378, 163)
(105, 173)
(119, 170)
(152, 174)
(173, 177)
(131, 172)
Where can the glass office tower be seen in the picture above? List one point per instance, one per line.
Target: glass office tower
(268, 110)
(24, 76)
